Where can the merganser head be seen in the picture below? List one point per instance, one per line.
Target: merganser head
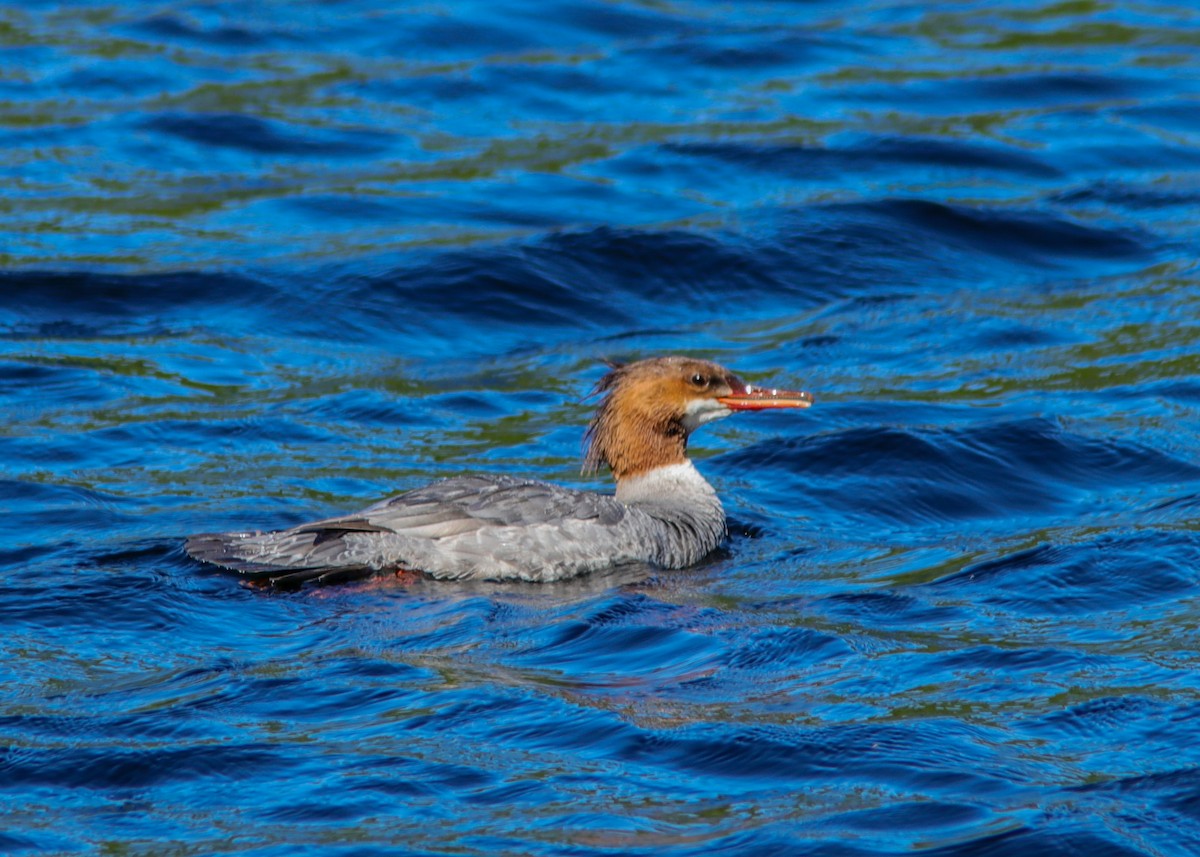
(651, 406)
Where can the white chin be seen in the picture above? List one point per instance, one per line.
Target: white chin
(701, 411)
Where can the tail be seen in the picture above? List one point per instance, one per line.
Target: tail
(282, 560)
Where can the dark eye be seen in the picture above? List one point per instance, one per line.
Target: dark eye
(699, 380)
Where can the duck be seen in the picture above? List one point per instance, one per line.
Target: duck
(498, 527)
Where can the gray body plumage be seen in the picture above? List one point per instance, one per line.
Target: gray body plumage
(490, 528)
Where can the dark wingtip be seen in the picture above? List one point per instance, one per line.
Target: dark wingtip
(210, 548)
(216, 549)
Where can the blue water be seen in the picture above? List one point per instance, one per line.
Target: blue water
(264, 262)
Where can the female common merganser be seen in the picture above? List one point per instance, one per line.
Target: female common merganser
(492, 527)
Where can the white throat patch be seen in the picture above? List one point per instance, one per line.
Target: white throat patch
(701, 411)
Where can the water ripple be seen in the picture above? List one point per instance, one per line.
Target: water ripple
(265, 267)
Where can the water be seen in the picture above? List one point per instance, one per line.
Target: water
(266, 262)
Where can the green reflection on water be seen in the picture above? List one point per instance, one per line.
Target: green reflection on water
(176, 214)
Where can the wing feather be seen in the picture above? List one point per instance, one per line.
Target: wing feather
(458, 527)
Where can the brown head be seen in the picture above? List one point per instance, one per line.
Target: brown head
(651, 406)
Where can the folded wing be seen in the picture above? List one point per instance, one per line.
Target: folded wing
(465, 527)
